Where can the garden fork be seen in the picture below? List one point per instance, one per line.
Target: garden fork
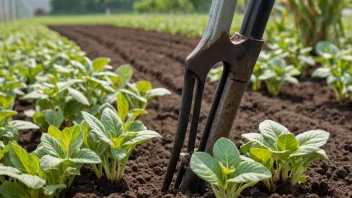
(239, 55)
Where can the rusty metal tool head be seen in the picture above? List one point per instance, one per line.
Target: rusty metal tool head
(239, 54)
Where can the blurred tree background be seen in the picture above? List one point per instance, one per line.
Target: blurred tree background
(141, 6)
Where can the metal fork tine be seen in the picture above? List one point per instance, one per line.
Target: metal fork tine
(187, 95)
(213, 108)
(195, 116)
(193, 129)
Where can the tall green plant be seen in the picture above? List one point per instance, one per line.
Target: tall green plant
(317, 20)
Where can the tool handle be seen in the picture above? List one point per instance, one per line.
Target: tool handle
(220, 19)
(256, 17)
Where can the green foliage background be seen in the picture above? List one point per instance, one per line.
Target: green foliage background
(118, 6)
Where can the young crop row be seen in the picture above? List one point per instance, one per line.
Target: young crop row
(191, 25)
(72, 96)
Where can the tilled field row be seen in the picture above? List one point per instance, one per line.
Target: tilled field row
(159, 58)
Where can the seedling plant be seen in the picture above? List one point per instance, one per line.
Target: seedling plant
(113, 139)
(227, 172)
(337, 69)
(287, 156)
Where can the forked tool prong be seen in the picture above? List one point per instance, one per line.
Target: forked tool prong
(186, 103)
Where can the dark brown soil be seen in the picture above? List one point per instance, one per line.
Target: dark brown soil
(159, 58)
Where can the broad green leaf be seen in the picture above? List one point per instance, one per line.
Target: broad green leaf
(65, 85)
(119, 153)
(23, 125)
(244, 158)
(304, 150)
(50, 189)
(71, 139)
(136, 126)
(253, 137)
(22, 160)
(142, 136)
(48, 162)
(112, 123)
(34, 95)
(130, 93)
(316, 138)
(100, 63)
(326, 47)
(157, 92)
(287, 142)
(226, 153)
(292, 80)
(29, 112)
(125, 74)
(322, 72)
(10, 132)
(77, 95)
(13, 190)
(206, 167)
(250, 172)
(143, 86)
(86, 156)
(55, 118)
(32, 181)
(6, 113)
(106, 105)
(96, 127)
(246, 148)
(54, 132)
(262, 156)
(6, 101)
(122, 106)
(271, 131)
(39, 118)
(51, 145)
(39, 151)
(322, 153)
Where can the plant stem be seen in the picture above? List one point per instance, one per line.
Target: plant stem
(238, 192)
(113, 170)
(285, 171)
(96, 171)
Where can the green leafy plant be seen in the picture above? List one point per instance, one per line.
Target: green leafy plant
(9, 129)
(22, 176)
(226, 172)
(61, 156)
(317, 20)
(277, 73)
(60, 102)
(339, 78)
(114, 140)
(329, 54)
(337, 69)
(285, 155)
